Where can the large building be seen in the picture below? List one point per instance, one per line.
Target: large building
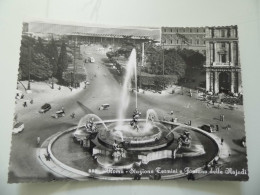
(180, 37)
(92, 33)
(223, 70)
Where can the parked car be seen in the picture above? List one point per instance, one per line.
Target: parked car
(207, 128)
(58, 114)
(46, 107)
(104, 107)
(18, 127)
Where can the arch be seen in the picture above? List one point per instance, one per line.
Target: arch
(224, 82)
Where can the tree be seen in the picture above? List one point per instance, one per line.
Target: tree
(62, 62)
(39, 66)
(52, 54)
(174, 64)
(41, 69)
(39, 46)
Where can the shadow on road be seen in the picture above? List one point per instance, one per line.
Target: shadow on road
(85, 108)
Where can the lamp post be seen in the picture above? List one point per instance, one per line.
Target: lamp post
(143, 61)
(29, 68)
(52, 82)
(163, 59)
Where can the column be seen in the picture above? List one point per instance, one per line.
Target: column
(207, 80)
(232, 53)
(208, 53)
(211, 88)
(232, 82)
(216, 82)
(240, 89)
(227, 46)
(215, 53)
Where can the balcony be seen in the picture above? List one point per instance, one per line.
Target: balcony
(225, 64)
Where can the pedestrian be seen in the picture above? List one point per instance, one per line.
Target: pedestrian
(190, 94)
(38, 141)
(228, 127)
(217, 128)
(190, 176)
(22, 96)
(72, 115)
(31, 101)
(59, 88)
(223, 116)
(220, 117)
(222, 140)
(25, 104)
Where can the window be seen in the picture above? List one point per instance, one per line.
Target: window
(177, 41)
(228, 33)
(223, 45)
(171, 29)
(177, 30)
(204, 42)
(222, 33)
(190, 30)
(165, 30)
(190, 41)
(198, 42)
(171, 41)
(197, 30)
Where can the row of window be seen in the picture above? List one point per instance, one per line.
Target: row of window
(222, 33)
(181, 30)
(183, 42)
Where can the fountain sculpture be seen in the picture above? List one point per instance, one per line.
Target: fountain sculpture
(126, 143)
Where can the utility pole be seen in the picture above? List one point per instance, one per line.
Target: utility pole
(142, 65)
(163, 60)
(74, 64)
(29, 67)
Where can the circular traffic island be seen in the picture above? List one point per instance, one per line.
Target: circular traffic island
(132, 153)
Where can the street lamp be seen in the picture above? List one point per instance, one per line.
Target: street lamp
(52, 82)
(29, 68)
(143, 61)
(163, 59)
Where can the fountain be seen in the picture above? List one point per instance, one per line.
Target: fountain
(122, 144)
(129, 148)
(124, 100)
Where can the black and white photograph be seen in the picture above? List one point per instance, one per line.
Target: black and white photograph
(110, 102)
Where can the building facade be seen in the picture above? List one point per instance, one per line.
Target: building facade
(180, 37)
(93, 33)
(223, 70)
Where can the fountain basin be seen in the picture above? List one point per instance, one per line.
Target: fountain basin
(146, 138)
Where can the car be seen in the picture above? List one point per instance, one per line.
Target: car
(207, 128)
(58, 114)
(104, 107)
(46, 107)
(92, 60)
(18, 127)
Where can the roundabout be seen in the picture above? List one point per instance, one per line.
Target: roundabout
(127, 149)
(75, 160)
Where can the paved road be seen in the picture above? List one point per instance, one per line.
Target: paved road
(105, 89)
